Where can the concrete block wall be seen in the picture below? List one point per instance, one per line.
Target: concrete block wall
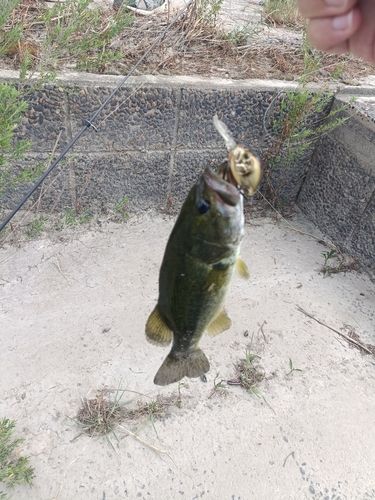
(152, 141)
(338, 193)
(156, 136)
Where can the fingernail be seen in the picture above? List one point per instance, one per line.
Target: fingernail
(340, 23)
(336, 3)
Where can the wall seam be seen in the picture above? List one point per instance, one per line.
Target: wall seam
(173, 148)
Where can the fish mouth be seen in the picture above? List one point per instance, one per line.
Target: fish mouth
(224, 192)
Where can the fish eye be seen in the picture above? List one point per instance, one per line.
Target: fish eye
(246, 156)
(202, 206)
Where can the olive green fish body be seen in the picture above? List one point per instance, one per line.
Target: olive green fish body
(198, 264)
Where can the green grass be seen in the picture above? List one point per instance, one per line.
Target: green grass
(220, 388)
(70, 218)
(122, 207)
(37, 226)
(82, 33)
(292, 368)
(335, 263)
(284, 12)
(14, 469)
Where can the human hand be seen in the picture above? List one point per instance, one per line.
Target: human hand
(341, 26)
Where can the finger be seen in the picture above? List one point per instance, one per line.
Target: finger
(327, 33)
(325, 8)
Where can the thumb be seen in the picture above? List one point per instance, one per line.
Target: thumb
(332, 33)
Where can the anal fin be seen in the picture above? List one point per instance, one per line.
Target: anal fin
(157, 332)
(221, 323)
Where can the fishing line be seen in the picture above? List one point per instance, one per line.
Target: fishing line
(89, 123)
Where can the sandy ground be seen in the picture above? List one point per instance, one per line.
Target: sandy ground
(73, 312)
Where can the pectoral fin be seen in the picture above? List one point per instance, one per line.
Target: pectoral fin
(221, 323)
(157, 332)
(241, 269)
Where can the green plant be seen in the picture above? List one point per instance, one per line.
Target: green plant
(8, 37)
(82, 32)
(121, 207)
(312, 59)
(329, 255)
(340, 266)
(249, 372)
(298, 124)
(37, 226)
(12, 108)
(240, 34)
(292, 368)
(13, 468)
(282, 12)
(219, 387)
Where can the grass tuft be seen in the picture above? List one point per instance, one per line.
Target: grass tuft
(13, 468)
(102, 416)
(283, 13)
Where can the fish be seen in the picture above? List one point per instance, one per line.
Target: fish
(201, 256)
(243, 168)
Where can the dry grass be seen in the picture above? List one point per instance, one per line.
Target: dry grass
(102, 414)
(196, 45)
(283, 13)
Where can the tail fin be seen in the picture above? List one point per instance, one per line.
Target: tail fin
(174, 368)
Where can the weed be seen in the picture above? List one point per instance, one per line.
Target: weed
(37, 226)
(11, 112)
(297, 126)
(240, 34)
(202, 14)
(82, 33)
(10, 37)
(101, 416)
(249, 372)
(341, 265)
(219, 387)
(283, 12)
(156, 409)
(121, 207)
(292, 368)
(13, 468)
(71, 219)
(329, 255)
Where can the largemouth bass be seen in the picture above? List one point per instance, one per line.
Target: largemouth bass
(201, 256)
